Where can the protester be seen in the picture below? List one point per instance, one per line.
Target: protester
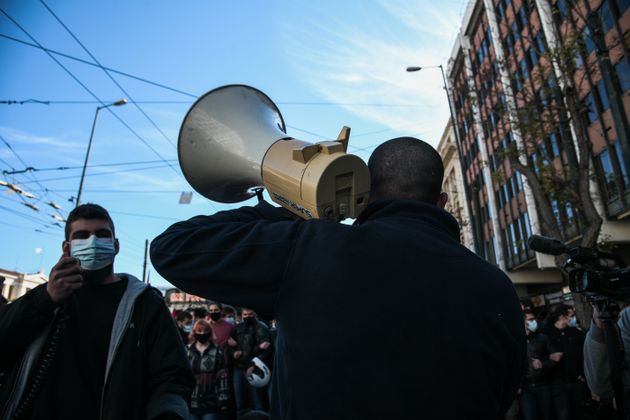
(221, 328)
(229, 314)
(98, 344)
(251, 340)
(211, 394)
(535, 398)
(199, 313)
(596, 358)
(183, 320)
(338, 293)
(567, 377)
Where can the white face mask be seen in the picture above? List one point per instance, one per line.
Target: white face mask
(532, 325)
(93, 253)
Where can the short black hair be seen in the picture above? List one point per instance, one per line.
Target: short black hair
(183, 316)
(406, 168)
(200, 312)
(219, 305)
(557, 312)
(88, 211)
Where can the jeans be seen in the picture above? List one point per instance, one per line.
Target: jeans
(568, 400)
(536, 402)
(244, 393)
(206, 416)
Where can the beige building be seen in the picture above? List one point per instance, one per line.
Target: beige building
(453, 185)
(16, 284)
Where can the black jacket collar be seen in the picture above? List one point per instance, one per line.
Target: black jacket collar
(428, 213)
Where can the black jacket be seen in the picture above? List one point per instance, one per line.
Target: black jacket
(149, 374)
(569, 341)
(248, 339)
(447, 324)
(538, 347)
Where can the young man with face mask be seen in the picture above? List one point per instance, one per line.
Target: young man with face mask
(250, 339)
(568, 386)
(91, 343)
(535, 396)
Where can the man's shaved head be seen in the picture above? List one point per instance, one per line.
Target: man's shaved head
(406, 168)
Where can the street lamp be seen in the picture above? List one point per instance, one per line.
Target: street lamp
(476, 229)
(119, 102)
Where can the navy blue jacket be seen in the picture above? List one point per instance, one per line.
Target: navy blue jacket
(447, 324)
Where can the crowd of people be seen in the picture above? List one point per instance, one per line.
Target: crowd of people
(554, 386)
(230, 353)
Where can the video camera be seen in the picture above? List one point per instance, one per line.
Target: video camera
(596, 274)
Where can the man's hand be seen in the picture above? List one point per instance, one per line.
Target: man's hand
(536, 364)
(65, 278)
(231, 342)
(264, 345)
(237, 354)
(556, 357)
(250, 370)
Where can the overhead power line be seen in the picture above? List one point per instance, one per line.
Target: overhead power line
(90, 92)
(138, 107)
(98, 165)
(49, 51)
(101, 173)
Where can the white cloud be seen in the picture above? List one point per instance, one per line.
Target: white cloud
(22, 137)
(349, 65)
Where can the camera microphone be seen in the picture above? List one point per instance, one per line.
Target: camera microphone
(546, 245)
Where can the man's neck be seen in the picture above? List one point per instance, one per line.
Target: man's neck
(112, 278)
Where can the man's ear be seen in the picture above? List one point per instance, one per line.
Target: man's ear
(116, 246)
(65, 247)
(442, 199)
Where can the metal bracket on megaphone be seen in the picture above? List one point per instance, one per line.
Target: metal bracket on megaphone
(233, 140)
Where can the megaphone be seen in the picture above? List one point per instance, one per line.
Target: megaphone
(233, 141)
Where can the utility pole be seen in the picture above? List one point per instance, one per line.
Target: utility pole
(144, 266)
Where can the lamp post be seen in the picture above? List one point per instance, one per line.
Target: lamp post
(119, 102)
(479, 249)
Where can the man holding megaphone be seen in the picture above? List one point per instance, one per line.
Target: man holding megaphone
(338, 293)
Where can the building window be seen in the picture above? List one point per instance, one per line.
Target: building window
(562, 8)
(622, 163)
(589, 102)
(589, 45)
(540, 44)
(623, 73)
(606, 16)
(603, 95)
(609, 174)
(622, 5)
(553, 139)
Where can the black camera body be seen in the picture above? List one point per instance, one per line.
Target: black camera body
(594, 273)
(614, 284)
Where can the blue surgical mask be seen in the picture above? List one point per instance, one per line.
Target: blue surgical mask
(532, 325)
(573, 322)
(93, 253)
(187, 328)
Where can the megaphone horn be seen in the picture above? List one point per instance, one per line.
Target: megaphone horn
(233, 141)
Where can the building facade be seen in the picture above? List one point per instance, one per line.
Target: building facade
(501, 73)
(14, 285)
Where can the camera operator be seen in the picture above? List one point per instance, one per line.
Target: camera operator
(596, 363)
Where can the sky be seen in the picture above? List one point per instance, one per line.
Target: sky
(326, 64)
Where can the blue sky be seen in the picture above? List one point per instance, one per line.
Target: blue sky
(325, 64)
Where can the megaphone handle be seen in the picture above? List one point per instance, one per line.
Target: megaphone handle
(259, 194)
